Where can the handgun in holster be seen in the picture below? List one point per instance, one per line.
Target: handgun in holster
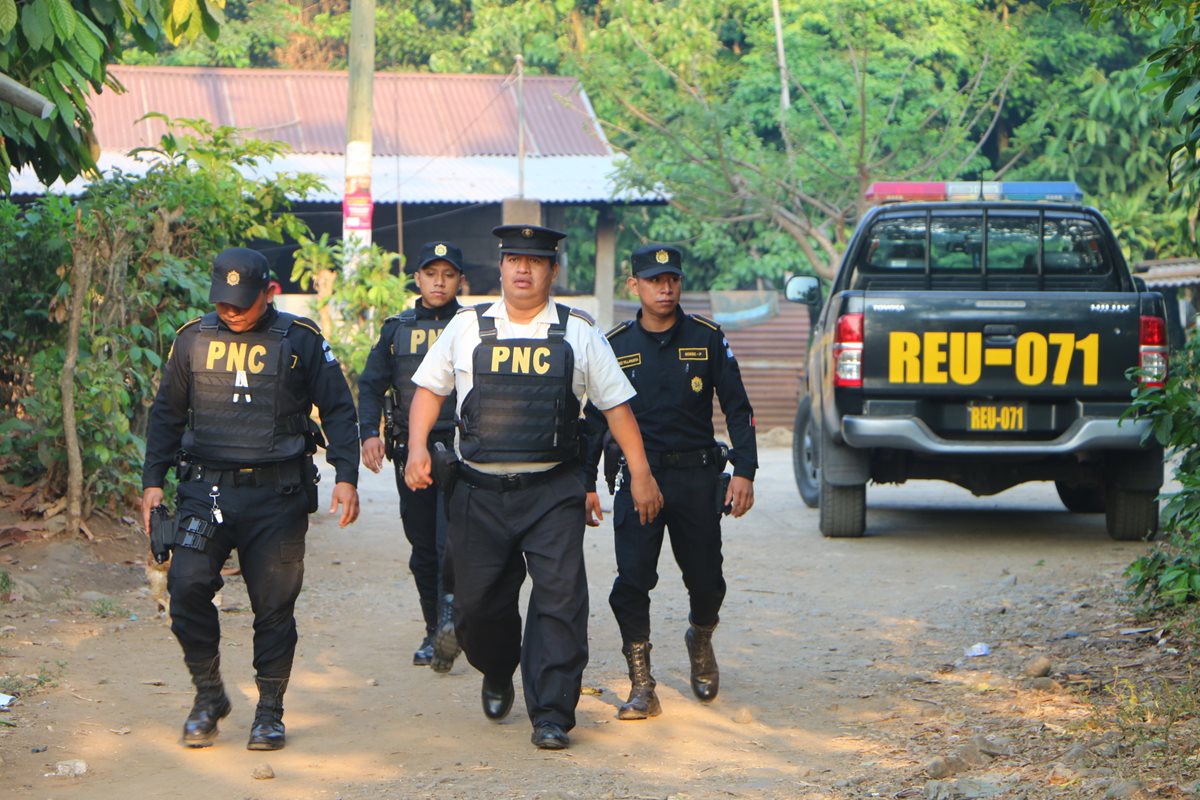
(389, 427)
(445, 471)
(614, 459)
(313, 438)
(162, 533)
(723, 479)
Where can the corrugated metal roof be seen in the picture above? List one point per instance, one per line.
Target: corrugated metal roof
(771, 355)
(418, 179)
(415, 114)
(1169, 272)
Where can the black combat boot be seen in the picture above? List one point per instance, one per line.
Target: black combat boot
(423, 655)
(642, 702)
(211, 705)
(445, 639)
(706, 678)
(267, 731)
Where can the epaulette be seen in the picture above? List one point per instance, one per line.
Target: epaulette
(307, 323)
(578, 313)
(187, 325)
(618, 328)
(705, 321)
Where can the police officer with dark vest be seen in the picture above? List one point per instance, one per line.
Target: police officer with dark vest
(520, 367)
(232, 416)
(676, 361)
(386, 385)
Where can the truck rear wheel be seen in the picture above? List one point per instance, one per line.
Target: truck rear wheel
(1081, 499)
(843, 510)
(804, 463)
(1131, 515)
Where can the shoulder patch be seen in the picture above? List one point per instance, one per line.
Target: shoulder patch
(187, 325)
(705, 321)
(578, 313)
(624, 326)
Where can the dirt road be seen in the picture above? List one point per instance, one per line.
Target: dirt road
(843, 667)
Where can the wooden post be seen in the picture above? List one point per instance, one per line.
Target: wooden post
(606, 265)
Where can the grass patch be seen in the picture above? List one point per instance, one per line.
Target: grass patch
(24, 685)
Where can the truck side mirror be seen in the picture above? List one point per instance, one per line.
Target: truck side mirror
(803, 289)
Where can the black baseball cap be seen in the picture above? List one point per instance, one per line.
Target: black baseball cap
(656, 259)
(439, 251)
(239, 276)
(528, 240)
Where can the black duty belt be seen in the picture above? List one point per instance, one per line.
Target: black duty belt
(512, 482)
(693, 458)
(285, 472)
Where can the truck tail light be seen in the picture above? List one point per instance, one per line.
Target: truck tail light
(847, 351)
(1152, 351)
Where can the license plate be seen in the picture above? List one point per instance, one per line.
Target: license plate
(996, 417)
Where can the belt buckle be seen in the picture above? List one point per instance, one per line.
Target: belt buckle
(510, 481)
(670, 459)
(245, 477)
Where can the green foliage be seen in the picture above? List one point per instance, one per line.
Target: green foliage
(1170, 574)
(6, 584)
(62, 49)
(150, 241)
(365, 289)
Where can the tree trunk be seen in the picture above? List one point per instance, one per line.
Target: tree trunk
(81, 276)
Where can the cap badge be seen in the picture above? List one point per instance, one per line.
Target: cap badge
(527, 233)
(233, 278)
(662, 256)
(439, 250)
(697, 384)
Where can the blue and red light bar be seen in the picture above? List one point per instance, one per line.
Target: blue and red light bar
(934, 191)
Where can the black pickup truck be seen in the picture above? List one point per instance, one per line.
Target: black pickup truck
(986, 343)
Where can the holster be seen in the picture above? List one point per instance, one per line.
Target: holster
(613, 460)
(310, 486)
(723, 480)
(445, 467)
(162, 533)
(390, 441)
(195, 533)
(313, 438)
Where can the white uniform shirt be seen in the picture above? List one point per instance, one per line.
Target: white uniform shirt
(447, 365)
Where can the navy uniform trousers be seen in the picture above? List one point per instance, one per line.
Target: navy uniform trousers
(423, 516)
(268, 529)
(496, 538)
(691, 519)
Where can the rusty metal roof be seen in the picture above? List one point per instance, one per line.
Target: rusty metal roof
(415, 114)
(771, 355)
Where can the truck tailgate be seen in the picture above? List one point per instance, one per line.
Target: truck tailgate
(999, 345)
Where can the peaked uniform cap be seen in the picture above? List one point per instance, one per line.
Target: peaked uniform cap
(529, 240)
(439, 251)
(239, 276)
(656, 259)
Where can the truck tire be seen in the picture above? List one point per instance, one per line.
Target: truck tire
(843, 510)
(1081, 499)
(804, 465)
(1131, 515)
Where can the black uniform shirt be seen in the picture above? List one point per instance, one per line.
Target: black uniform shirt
(675, 373)
(376, 377)
(316, 376)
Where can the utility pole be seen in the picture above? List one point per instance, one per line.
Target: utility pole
(520, 125)
(357, 203)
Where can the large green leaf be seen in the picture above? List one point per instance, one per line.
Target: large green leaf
(8, 16)
(63, 17)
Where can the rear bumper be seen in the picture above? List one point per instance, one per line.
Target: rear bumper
(908, 433)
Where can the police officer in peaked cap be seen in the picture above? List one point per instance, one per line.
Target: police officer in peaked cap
(386, 385)
(232, 416)
(676, 361)
(520, 368)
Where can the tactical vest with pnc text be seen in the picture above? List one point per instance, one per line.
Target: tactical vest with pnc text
(410, 342)
(522, 406)
(241, 409)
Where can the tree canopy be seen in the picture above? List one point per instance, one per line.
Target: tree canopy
(62, 49)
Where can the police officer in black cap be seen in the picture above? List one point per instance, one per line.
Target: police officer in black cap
(232, 415)
(386, 384)
(520, 368)
(676, 361)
